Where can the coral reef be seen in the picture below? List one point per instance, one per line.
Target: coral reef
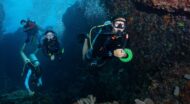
(146, 101)
(185, 93)
(159, 42)
(121, 7)
(159, 70)
(171, 87)
(22, 97)
(92, 8)
(168, 5)
(90, 99)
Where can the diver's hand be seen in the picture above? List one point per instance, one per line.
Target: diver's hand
(22, 74)
(52, 57)
(31, 93)
(27, 61)
(119, 53)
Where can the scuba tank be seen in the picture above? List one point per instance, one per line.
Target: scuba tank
(34, 60)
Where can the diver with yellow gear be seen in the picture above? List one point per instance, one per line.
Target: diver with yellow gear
(51, 46)
(32, 68)
(112, 40)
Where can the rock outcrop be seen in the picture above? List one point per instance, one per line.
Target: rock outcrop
(168, 5)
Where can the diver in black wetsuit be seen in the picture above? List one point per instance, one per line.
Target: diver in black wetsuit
(109, 43)
(51, 45)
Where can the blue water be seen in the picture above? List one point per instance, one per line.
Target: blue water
(66, 19)
(44, 12)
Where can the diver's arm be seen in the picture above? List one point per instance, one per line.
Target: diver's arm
(126, 42)
(28, 28)
(36, 51)
(23, 47)
(24, 57)
(31, 26)
(85, 49)
(119, 51)
(101, 49)
(61, 49)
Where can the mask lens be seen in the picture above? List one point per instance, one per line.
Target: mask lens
(120, 26)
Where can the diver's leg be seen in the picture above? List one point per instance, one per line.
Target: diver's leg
(85, 49)
(27, 80)
(39, 81)
(93, 59)
(88, 55)
(89, 58)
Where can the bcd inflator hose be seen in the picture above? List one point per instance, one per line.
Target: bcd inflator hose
(129, 55)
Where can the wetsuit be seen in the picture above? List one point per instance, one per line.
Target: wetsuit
(31, 29)
(51, 47)
(33, 77)
(106, 43)
(36, 73)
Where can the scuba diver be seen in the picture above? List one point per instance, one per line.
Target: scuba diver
(30, 28)
(110, 41)
(51, 45)
(33, 78)
(31, 67)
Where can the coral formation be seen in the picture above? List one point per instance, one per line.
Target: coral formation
(168, 5)
(172, 81)
(22, 97)
(159, 42)
(90, 99)
(146, 101)
(160, 69)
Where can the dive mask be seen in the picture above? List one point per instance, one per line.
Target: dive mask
(119, 26)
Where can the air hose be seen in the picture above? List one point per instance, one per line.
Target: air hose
(127, 51)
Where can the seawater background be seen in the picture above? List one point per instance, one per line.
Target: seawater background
(68, 18)
(159, 40)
